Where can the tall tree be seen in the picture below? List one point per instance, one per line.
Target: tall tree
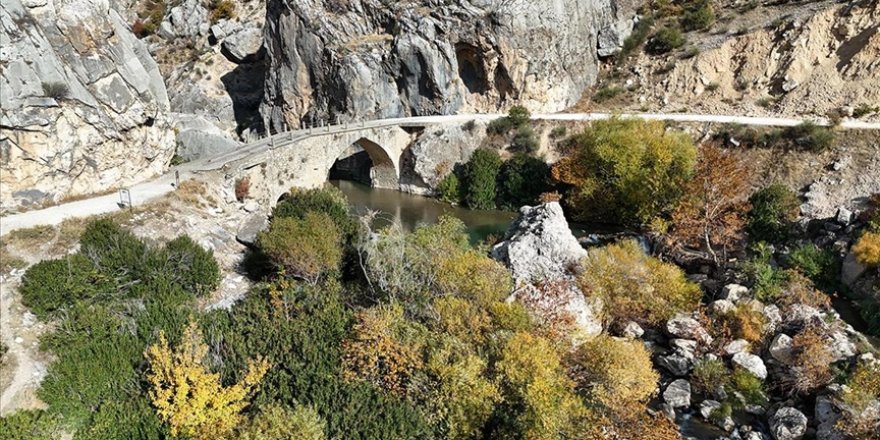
(710, 215)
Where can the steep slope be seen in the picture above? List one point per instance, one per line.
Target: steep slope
(83, 104)
(376, 58)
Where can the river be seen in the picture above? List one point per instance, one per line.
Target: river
(411, 210)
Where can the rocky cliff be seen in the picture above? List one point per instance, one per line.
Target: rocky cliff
(357, 59)
(83, 104)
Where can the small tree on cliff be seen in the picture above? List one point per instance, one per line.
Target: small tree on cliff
(709, 216)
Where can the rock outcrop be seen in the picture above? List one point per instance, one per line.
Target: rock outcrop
(84, 107)
(539, 245)
(363, 59)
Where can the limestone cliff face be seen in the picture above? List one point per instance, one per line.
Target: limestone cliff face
(361, 59)
(84, 107)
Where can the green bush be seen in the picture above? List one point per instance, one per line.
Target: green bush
(819, 265)
(626, 171)
(308, 248)
(114, 250)
(56, 90)
(517, 117)
(606, 93)
(558, 132)
(525, 140)
(809, 137)
(773, 210)
(708, 375)
(275, 422)
(521, 180)
(29, 425)
(665, 40)
(53, 285)
(749, 386)
(481, 172)
(328, 200)
(698, 17)
(767, 279)
(638, 36)
(449, 189)
(196, 269)
(303, 343)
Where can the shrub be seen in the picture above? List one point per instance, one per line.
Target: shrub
(29, 425)
(799, 289)
(749, 386)
(222, 9)
(474, 276)
(558, 132)
(114, 250)
(665, 40)
(195, 268)
(819, 265)
(449, 189)
(521, 180)
(626, 170)
(383, 349)
(190, 398)
(519, 115)
(606, 93)
(867, 249)
(636, 287)
(773, 209)
(308, 248)
(811, 362)
(242, 188)
(464, 398)
(745, 322)
(638, 36)
(857, 421)
(809, 136)
(767, 280)
(539, 401)
(708, 375)
(276, 422)
(864, 109)
(616, 373)
(698, 17)
(481, 172)
(52, 285)
(524, 140)
(328, 200)
(56, 90)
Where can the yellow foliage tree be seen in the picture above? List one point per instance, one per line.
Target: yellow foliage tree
(473, 276)
(634, 286)
(867, 249)
(536, 384)
(188, 396)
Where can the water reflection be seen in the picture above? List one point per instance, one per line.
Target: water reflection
(411, 210)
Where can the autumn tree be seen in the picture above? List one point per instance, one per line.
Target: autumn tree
(709, 216)
(188, 396)
(625, 171)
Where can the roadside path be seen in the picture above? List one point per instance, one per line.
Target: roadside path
(159, 186)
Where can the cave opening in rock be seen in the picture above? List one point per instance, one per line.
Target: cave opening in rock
(471, 68)
(365, 162)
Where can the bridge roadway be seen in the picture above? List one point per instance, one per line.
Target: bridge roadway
(161, 185)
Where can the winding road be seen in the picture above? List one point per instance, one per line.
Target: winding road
(164, 184)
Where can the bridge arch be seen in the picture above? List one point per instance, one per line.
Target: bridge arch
(366, 161)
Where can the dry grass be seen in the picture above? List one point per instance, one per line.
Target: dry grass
(193, 192)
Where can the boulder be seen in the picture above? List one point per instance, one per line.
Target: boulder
(188, 19)
(677, 364)
(780, 349)
(851, 270)
(707, 407)
(788, 424)
(753, 364)
(721, 307)
(840, 345)
(733, 292)
(686, 327)
(772, 318)
(827, 415)
(633, 330)
(844, 216)
(244, 46)
(539, 245)
(736, 346)
(251, 227)
(437, 152)
(678, 394)
(335, 58)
